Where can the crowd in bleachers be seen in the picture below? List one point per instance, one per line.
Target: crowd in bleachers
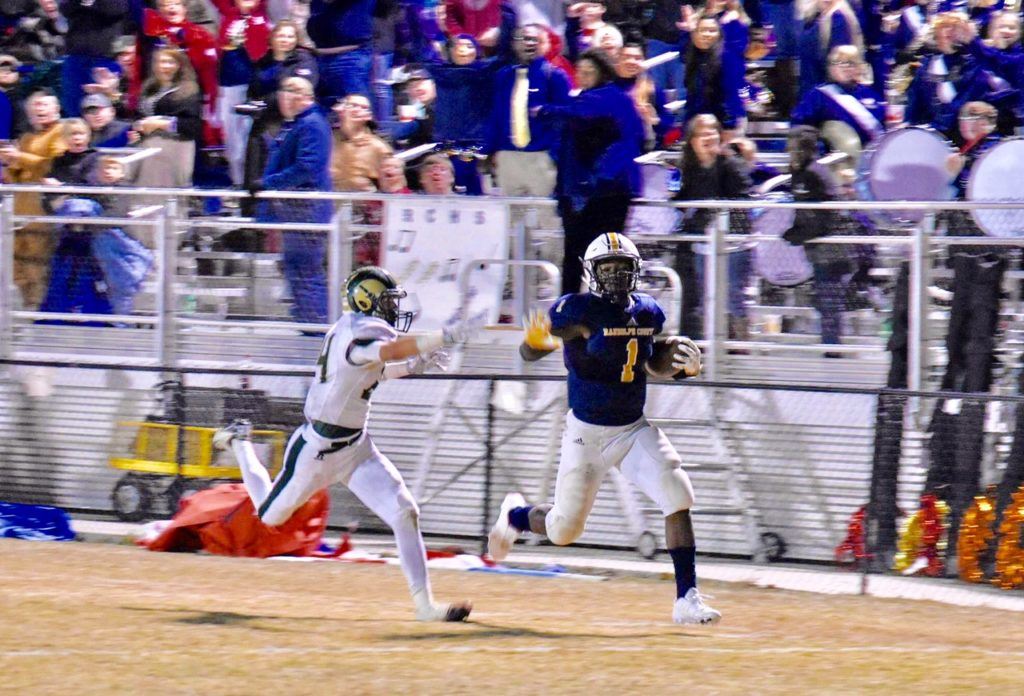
(523, 97)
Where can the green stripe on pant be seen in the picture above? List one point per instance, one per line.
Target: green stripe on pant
(286, 475)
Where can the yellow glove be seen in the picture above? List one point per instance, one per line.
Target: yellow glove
(537, 332)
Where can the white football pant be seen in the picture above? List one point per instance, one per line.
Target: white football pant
(643, 454)
(361, 467)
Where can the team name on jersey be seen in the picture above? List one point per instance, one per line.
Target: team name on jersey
(628, 331)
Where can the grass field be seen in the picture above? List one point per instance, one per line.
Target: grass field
(95, 618)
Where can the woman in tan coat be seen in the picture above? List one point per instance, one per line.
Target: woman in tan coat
(28, 162)
(358, 152)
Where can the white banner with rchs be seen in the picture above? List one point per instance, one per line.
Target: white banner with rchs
(427, 244)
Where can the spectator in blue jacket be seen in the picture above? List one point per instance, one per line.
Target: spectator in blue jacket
(844, 98)
(519, 142)
(342, 31)
(299, 160)
(600, 136)
(286, 58)
(465, 97)
(645, 93)
(93, 26)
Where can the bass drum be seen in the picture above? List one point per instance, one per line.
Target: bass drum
(908, 164)
(776, 260)
(997, 176)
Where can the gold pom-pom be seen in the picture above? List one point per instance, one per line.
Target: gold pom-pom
(1010, 555)
(922, 544)
(976, 532)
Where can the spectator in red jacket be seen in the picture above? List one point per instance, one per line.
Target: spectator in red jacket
(551, 45)
(168, 26)
(477, 18)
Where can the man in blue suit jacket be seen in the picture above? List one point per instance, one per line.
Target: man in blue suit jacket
(519, 142)
(299, 160)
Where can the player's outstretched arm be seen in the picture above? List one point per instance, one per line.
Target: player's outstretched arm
(440, 359)
(404, 347)
(674, 355)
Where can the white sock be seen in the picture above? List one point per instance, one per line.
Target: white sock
(379, 486)
(254, 474)
(413, 555)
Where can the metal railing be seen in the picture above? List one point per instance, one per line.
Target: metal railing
(170, 225)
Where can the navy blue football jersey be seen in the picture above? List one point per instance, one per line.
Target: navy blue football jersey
(607, 381)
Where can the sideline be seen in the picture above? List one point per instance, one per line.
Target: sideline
(830, 581)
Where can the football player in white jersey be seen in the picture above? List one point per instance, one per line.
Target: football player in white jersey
(364, 347)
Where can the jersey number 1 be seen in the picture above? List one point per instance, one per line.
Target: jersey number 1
(322, 360)
(632, 350)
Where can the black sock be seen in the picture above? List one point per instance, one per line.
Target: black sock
(684, 558)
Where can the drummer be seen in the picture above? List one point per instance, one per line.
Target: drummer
(946, 78)
(977, 123)
(844, 97)
(1003, 63)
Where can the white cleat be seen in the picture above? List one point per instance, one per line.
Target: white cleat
(240, 429)
(453, 613)
(691, 609)
(503, 534)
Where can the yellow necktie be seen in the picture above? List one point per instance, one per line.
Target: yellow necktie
(520, 111)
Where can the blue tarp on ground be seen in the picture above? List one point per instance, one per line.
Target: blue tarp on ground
(34, 522)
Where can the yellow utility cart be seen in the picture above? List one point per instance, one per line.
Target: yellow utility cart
(166, 462)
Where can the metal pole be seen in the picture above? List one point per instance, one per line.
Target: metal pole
(675, 288)
(166, 302)
(715, 277)
(488, 467)
(918, 305)
(520, 288)
(339, 259)
(7, 289)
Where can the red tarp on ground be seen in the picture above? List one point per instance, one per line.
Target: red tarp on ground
(222, 520)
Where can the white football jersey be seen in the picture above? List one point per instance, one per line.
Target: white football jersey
(340, 393)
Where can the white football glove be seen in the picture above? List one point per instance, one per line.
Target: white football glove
(460, 333)
(686, 356)
(439, 360)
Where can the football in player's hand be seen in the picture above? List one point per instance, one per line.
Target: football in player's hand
(674, 355)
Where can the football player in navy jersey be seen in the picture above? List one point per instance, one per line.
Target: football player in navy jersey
(611, 343)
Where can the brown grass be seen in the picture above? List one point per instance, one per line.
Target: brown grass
(85, 619)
